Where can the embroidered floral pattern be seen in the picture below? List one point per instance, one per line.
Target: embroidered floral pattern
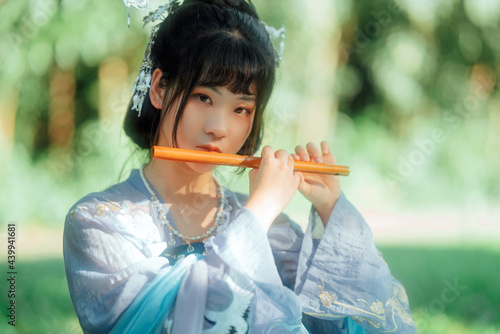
(398, 297)
(377, 307)
(78, 208)
(326, 298)
(124, 216)
(371, 322)
(101, 208)
(82, 210)
(377, 318)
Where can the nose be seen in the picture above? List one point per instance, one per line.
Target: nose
(217, 124)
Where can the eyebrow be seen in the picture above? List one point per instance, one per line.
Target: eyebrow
(249, 98)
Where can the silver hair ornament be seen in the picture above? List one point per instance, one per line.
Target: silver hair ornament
(140, 4)
(277, 37)
(143, 81)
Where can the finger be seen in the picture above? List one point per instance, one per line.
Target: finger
(314, 152)
(325, 148)
(301, 178)
(252, 173)
(295, 156)
(302, 152)
(267, 151)
(285, 158)
(327, 153)
(303, 186)
(282, 155)
(297, 179)
(291, 164)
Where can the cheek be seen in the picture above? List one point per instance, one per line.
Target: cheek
(188, 128)
(249, 125)
(165, 137)
(244, 130)
(166, 126)
(191, 121)
(166, 130)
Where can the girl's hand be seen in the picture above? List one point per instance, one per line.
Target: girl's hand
(272, 185)
(322, 190)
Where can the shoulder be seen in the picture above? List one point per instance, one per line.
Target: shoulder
(97, 203)
(121, 210)
(122, 200)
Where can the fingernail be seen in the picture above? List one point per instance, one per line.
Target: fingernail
(319, 160)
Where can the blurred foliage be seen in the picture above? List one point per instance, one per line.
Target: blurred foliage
(405, 91)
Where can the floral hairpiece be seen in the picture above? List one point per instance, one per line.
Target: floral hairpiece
(143, 81)
(277, 37)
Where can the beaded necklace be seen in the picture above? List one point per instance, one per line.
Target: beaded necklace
(172, 231)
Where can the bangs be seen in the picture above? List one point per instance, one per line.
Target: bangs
(225, 55)
(211, 44)
(229, 61)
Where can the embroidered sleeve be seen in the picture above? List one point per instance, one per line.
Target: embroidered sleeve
(317, 228)
(344, 275)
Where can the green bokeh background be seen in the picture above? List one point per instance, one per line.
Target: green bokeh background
(404, 91)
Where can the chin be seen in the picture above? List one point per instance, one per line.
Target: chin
(200, 168)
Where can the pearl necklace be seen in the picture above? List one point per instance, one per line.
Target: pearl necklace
(172, 231)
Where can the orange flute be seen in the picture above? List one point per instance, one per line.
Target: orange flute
(214, 158)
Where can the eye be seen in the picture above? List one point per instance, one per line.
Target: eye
(242, 110)
(202, 98)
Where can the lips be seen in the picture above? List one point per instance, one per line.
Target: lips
(209, 148)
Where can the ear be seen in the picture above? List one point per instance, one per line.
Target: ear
(156, 92)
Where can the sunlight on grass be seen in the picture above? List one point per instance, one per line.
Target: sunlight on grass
(451, 289)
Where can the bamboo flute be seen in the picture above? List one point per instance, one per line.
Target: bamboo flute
(215, 158)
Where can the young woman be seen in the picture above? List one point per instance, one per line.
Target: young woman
(171, 250)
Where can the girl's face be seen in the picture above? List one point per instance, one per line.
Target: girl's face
(214, 120)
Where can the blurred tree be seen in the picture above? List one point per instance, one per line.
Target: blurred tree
(408, 59)
(398, 65)
(51, 52)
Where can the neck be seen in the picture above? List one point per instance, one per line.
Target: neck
(174, 180)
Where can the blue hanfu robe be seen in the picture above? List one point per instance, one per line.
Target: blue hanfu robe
(124, 277)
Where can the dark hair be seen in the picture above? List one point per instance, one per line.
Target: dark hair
(208, 43)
